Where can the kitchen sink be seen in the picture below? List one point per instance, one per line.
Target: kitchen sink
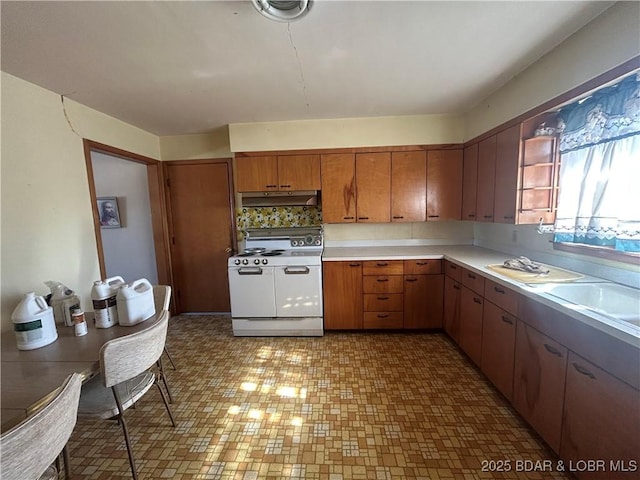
(608, 299)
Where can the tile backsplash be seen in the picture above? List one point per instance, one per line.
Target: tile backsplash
(275, 217)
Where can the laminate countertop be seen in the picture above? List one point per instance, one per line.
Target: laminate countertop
(478, 259)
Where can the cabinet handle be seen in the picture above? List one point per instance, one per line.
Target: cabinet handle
(453, 266)
(272, 186)
(382, 280)
(354, 264)
(471, 215)
(499, 290)
(477, 300)
(506, 319)
(487, 216)
(583, 371)
(433, 216)
(363, 218)
(471, 276)
(383, 315)
(383, 298)
(552, 350)
(508, 217)
(348, 218)
(382, 264)
(285, 186)
(456, 287)
(398, 216)
(412, 279)
(422, 263)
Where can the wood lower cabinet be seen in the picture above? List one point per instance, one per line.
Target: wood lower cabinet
(498, 347)
(470, 332)
(601, 421)
(451, 314)
(409, 186)
(423, 293)
(373, 187)
(539, 373)
(338, 187)
(342, 295)
(383, 294)
(444, 185)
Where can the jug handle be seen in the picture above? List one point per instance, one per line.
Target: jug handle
(141, 281)
(42, 302)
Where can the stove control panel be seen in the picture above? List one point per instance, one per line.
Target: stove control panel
(307, 241)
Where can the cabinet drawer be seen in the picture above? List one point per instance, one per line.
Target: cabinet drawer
(503, 297)
(422, 267)
(382, 267)
(453, 270)
(472, 280)
(383, 319)
(382, 283)
(383, 302)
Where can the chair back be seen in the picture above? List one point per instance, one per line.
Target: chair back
(161, 297)
(30, 447)
(126, 357)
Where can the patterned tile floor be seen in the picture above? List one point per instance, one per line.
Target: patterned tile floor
(370, 406)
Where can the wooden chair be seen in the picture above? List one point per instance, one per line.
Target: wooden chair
(162, 298)
(126, 365)
(30, 449)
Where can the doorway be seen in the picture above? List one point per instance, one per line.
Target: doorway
(202, 226)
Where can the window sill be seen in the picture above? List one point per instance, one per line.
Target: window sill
(600, 252)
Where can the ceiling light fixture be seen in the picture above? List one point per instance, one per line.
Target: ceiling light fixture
(283, 10)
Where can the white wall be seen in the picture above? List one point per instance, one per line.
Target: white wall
(46, 210)
(128, 251)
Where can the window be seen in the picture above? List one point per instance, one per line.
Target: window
(599, 195)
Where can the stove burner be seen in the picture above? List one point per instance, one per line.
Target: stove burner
(246, 254)
(255, 250)
(272, 253)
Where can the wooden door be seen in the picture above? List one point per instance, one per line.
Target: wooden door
(423, 301)
(338, 188)
(486, 179)
(373, 187)
(470, 334)
(444, 184)
(342, 294)
(408, 186)
(498, 347)
(469, 182)
(298, 172)
(506, 176)
(257, 174)
(202, 227)
(539, 373)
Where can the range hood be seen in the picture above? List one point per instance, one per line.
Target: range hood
(275, 199)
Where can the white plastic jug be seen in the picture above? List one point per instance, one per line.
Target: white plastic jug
(63, 301)
(135, 302)
(103, 297)
(33, 323)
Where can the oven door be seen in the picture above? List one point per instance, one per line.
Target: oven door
(298, 291)
(252, 292)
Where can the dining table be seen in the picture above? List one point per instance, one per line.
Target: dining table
(31, 378)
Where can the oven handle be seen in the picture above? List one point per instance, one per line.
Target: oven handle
(296, 270)
(250, 271)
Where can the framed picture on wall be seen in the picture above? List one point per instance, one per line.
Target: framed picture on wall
(108, 211)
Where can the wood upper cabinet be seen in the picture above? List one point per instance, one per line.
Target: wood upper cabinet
(342, 295)
(277, 173)
(486, 179)
(408, 186)
(338, 187)
(444, 184)
(539, 373)
(506, 174)
(538, 181)
(601, 421)
(469, 181)
(498, 346)
(373, 187)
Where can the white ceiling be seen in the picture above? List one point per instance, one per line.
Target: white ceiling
(174, 68)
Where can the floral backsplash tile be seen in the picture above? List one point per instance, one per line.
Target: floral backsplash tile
(275, 217)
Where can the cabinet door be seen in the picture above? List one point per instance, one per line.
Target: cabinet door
(539, 372)
(342, 295)
(338, 188)
(299, 172)
(469, 182)
(601, 420)
(408, 186)
(486, 179)
(506, 177)
(256, 174)
(373, 187)
(423, 301)
(538, 182)
(498, 347)
(444, 184)
(451, 313)
(470, 334)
